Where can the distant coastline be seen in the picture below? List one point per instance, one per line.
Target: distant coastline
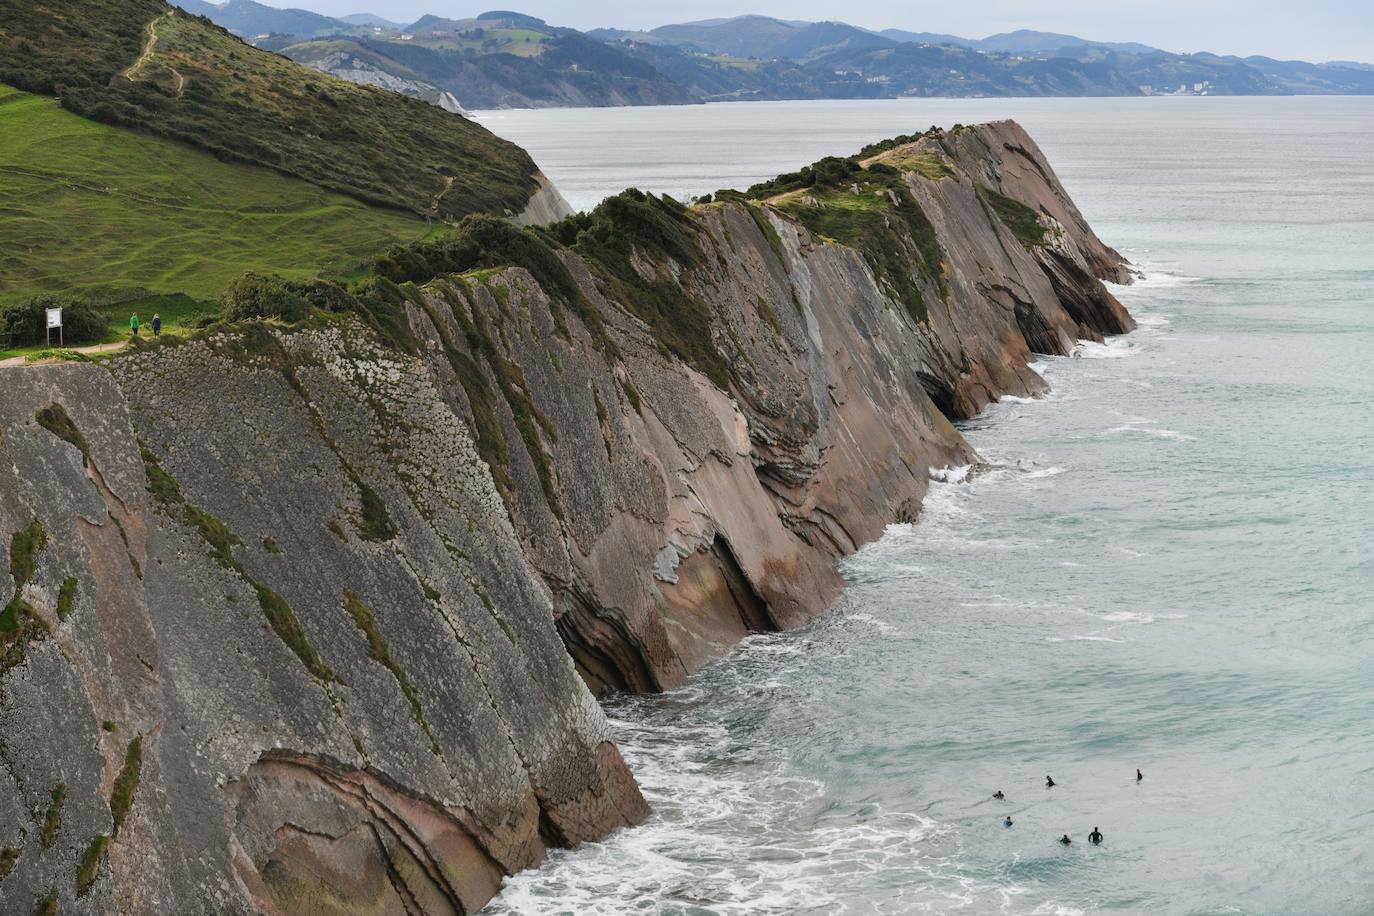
(512, 60)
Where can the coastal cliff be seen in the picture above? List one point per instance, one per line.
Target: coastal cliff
(298, 612)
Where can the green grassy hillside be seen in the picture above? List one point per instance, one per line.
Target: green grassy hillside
(144, 65)
(84, 206)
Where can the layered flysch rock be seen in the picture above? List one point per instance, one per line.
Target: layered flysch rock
(298, 618)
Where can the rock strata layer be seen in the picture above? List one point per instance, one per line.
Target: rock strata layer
(300, 622)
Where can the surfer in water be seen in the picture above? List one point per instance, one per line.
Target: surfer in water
(1064, 840)
(1138, 775)
(998, 795)
(1007, 822)
(1049, 783)
(1095, 837)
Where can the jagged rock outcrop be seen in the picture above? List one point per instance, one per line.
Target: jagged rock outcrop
(298, 614)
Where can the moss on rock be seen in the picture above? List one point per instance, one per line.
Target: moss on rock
(52, 818)
(25, 545)
(380, 652)
(1022, 220)
(66, 598)
(8, 857)
(88, 867)
(55, 419)
(126, 783)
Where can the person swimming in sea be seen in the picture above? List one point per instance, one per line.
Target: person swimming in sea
(1049, 783)
(1095, 837)
(998, 795)
(1064, 840)
(1007, 822)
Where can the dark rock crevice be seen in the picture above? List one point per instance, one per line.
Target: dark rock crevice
(606, 651)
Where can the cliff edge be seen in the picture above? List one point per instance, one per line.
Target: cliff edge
(302, 619)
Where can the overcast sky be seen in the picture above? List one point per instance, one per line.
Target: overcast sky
(1311, 30)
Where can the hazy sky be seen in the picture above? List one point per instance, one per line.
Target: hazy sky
(1311, 30)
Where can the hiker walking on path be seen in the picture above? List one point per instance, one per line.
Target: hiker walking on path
(157, 325)
(133, 324)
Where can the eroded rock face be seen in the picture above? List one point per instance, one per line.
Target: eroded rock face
(304, 624)
(546, 206)
(670, 518)
(332, 678)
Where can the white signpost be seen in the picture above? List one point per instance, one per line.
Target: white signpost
(55, 321)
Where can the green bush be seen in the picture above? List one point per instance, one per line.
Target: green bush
(81, 323)
(255, 295)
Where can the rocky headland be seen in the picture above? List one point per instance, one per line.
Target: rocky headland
(309, 619)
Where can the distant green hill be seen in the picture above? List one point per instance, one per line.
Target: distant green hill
(141, 64)
(499, 60)
(86, 206)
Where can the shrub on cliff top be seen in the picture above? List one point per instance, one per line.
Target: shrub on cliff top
(255, 295)
(81, 323)
(891, 143)
(885, 224)
(829, 172)
(477, 242)
(631, 223)
(607, 238)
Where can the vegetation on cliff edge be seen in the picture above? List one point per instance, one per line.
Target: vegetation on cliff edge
(870, 209)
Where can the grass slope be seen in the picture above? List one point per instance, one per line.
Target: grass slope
(145, 65)
(84, 206)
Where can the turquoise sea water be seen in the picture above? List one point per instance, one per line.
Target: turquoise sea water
(1165, 564)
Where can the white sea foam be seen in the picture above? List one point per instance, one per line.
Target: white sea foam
(748, 838)
(1155, 431)
(1127, 617)
(951, 475)
(883, 627)
(1113, 348)
(1150, 277)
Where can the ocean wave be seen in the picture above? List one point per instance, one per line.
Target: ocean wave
(750, 839)
(1113, 348)
(1150, 276)
(1157, 432)
(957, 474)
(882, 626)
(1126, 617)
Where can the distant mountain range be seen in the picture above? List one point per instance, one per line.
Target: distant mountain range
(505, 59)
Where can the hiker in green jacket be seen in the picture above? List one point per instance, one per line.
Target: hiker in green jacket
(133, 324)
